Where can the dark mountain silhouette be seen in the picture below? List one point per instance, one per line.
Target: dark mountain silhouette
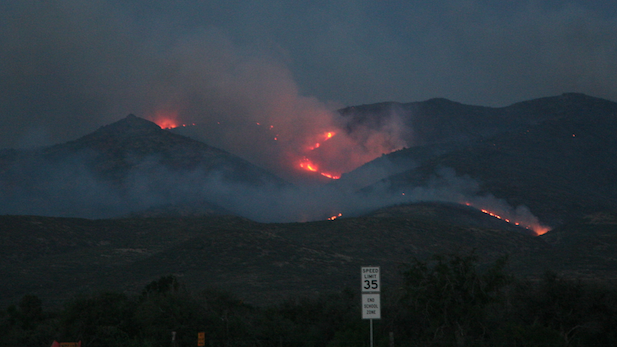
(130, 165)
(56, 258)
(554, 155)
(440, 120)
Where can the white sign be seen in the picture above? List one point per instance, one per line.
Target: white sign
(370, 279)
(371, 308)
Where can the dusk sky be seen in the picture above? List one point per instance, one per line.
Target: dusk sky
(68, 67)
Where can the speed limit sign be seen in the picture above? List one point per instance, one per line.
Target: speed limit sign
(370, 279)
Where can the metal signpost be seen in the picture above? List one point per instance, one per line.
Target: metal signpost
(371, 286)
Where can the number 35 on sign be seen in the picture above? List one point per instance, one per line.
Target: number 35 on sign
(370, 279)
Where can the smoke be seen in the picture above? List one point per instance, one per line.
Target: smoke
(360, 143)
(258, 79)
(77, 65)
(446, 186)
(69, 66)
(67, 186)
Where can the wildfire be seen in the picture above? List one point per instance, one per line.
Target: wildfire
(335, 216)
(492, 214)
(537, 228)
(308, 165)
(334, 177)
(325, 137)
(166, 123)
(166, 120)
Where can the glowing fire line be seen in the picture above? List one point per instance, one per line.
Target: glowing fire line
(308, 165)
(168, 120)
(335, 216)
(536, 228)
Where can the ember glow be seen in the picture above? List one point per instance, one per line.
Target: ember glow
(334, 177)
(536, 227)
(307, 165)
(335, 216)
(166, 123)
(498, 216)
(310, 165)
(166, 120)
(325, 137)
(301, 141)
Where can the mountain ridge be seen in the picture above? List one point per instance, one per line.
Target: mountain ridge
(560, 166)
(437, 120)
(129, 165)
(56, 258)
(566, 180)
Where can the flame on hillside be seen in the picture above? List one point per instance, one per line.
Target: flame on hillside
(166, 120)
(335, 216)
(308, 165)
(532, 225)
(297, 138)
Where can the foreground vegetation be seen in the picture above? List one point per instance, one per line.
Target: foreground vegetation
(445, 301)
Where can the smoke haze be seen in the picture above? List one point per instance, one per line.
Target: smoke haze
(67, 187)
(263, 78)
(69, 67)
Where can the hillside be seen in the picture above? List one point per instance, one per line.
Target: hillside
(561, 165)
(441, 120)
(583, 249)
(128, 166)
(553, 156)
(55, 258)
(185, 208)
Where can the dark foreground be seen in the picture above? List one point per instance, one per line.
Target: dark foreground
(448, 300)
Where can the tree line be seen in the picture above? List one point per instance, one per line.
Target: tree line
(447, 300)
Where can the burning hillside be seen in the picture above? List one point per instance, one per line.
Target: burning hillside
(134, 165)
(315, 144)
(519, 217)
(318, 155)
(319, 150)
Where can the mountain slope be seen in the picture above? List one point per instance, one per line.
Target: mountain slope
(55, 258)
(444, 121)
(584, 249)
(130, 165)
(561, 166)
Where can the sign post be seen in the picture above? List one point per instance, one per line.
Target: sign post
(370, 287)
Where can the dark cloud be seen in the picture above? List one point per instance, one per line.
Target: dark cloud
(68, 67)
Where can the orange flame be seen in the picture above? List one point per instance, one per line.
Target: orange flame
(537, 228)
(334, 177)
(166, 120)
(166, 123)
(325, 136)
(540, 229)
(335, 216)
(308, 165)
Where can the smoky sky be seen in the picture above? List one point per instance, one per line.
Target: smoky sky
(68, 67)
